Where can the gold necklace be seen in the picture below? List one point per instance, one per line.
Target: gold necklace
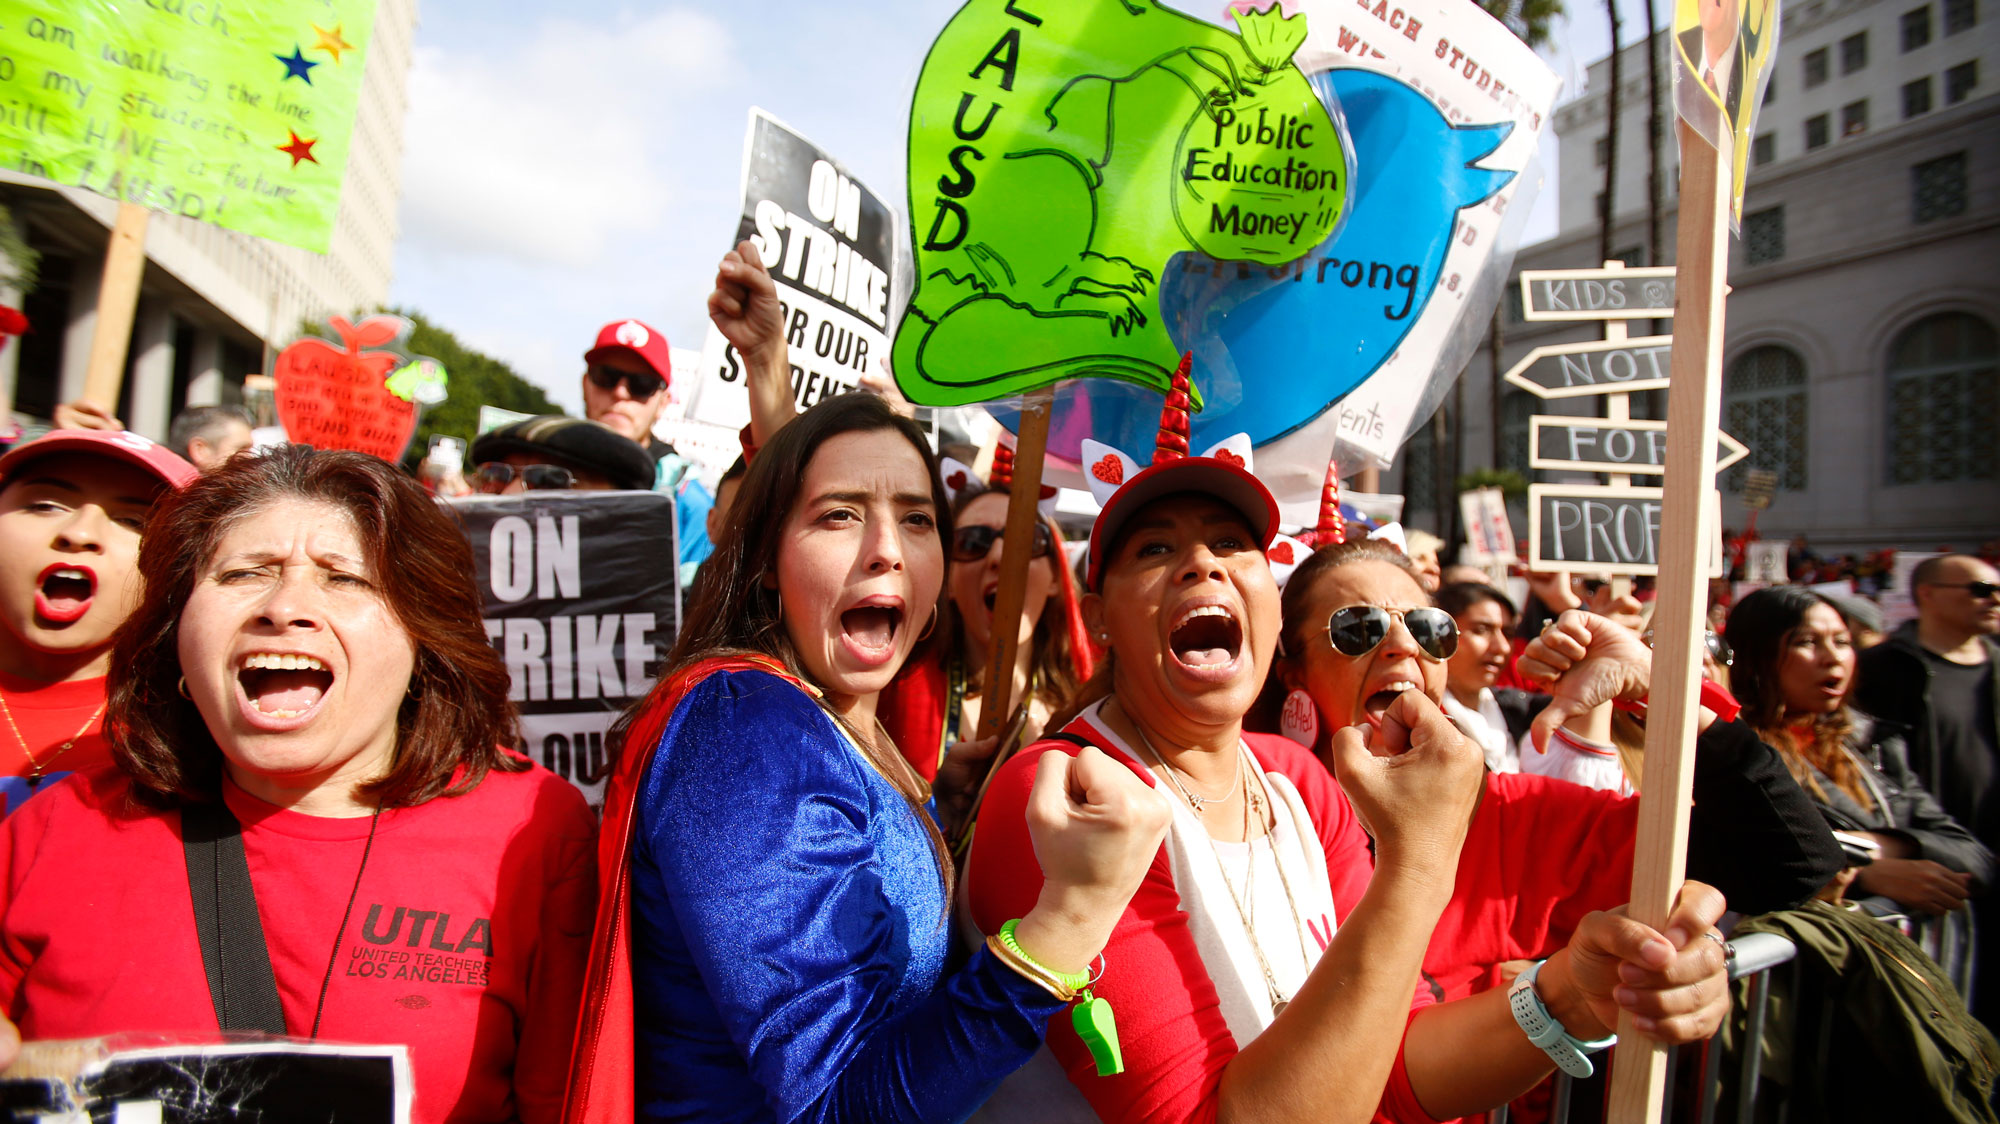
(36, 769)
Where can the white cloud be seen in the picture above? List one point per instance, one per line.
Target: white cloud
(552, 152)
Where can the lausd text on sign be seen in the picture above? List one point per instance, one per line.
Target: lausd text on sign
(582, 602)
(829, 243)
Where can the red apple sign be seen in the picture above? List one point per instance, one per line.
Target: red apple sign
(331, 398)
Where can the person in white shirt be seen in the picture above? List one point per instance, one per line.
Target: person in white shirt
(1496, 719)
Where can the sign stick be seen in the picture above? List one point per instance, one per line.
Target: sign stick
(1016, 546)
(1659, 855)
(117, 299)
(1618, 407)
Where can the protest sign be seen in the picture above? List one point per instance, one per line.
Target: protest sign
(581, 601)
(128, 1079)
(356, 396)
(1613, 366)
(829, 243)
(1597, 294)
(1765, 562)
(1723, 52)
(1488, 534)
(234, 114)
(1603, 445)
(1063, 154)
(1602, 529)
(1354, 341)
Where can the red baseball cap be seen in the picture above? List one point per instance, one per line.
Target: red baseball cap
(634, 338)
(122, 445)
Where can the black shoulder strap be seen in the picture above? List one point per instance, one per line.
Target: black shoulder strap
(1077, 740)
(240, 980)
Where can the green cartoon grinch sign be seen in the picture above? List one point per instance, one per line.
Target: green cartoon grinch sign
(1062, 152)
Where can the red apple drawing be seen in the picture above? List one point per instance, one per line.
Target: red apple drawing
(332, 398)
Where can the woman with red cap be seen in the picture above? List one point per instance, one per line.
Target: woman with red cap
(1264, 910)
(71, 508)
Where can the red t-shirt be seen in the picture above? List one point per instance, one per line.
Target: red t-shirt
(1540, 854)
(467, 940)
(1170, 1024)
(46, 715)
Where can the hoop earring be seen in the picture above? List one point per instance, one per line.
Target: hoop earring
(184, 689)
(929, 628)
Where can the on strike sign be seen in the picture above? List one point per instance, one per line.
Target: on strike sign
(830, 244)
(581, 601)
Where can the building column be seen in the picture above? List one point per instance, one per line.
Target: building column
(85, 281)
(152, 371)
(205, 369)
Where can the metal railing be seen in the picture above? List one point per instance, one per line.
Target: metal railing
(1752, 957)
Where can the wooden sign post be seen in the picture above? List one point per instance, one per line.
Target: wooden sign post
(1659, 854)
(1016, 555)
(117, 300)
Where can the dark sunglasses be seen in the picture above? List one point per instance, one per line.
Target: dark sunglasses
(970, 544)
(638, 384)
(1978, 590)
(494, 476)
(1359, 629)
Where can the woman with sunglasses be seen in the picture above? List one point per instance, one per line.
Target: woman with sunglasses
(1268, 968)
(936, 702)
(1795, 673)
(1541, 852)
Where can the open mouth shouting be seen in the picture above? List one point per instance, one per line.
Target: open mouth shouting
(281, 690)
(1833, 686)
(65, 592)
(1376, 703)
(1207, 639)
(869, 628)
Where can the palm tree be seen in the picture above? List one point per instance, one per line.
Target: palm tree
(1608, 203)
(1653, 130)
(1532, 20)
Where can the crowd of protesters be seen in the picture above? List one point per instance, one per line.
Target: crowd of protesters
(815, 891)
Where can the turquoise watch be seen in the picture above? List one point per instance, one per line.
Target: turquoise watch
(1571, 1055)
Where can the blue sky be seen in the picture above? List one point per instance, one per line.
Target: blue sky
(568, 165)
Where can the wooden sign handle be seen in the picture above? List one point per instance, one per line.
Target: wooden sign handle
(1659, 856)
(1016, 548)
(117, 300)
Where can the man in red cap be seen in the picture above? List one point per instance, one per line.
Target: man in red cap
(72, 505)
(625, 381)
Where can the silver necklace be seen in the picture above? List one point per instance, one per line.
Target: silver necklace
(1194, 800)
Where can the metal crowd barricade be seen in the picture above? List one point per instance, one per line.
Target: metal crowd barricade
(1751, 957)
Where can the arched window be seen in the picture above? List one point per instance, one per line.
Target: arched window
(1516, 407)
(1944, 401)
(1764, 406)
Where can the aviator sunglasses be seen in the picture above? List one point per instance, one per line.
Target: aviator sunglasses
(494, 476)
(1359, 629)
(970, 544)
(1979, 591)
(639, 384)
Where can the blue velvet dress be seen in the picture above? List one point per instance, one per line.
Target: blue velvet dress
(790, 932)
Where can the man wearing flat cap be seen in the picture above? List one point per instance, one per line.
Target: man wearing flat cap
(559, 453)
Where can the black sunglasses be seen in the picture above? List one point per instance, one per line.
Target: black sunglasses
(1978, 590)
(494, 476)
(639, 384)
(970, 544)
(1359, 629)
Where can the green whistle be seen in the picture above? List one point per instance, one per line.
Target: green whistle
(1099, 1031)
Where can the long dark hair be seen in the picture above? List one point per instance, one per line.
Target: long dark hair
(456, 715)
(1760, 629)
(1054, 663)
(732, 612)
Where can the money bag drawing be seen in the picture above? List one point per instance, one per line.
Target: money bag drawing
(1275, 348)
(1063, 152)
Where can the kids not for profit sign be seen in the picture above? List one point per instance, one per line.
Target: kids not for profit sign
(581, 601)
(829, 243)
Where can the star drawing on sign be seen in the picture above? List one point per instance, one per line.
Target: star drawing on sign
(299, 149)
(330, 41)
(297, 65)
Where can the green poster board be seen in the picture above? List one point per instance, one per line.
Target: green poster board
(226, 111)
(1063, 152)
